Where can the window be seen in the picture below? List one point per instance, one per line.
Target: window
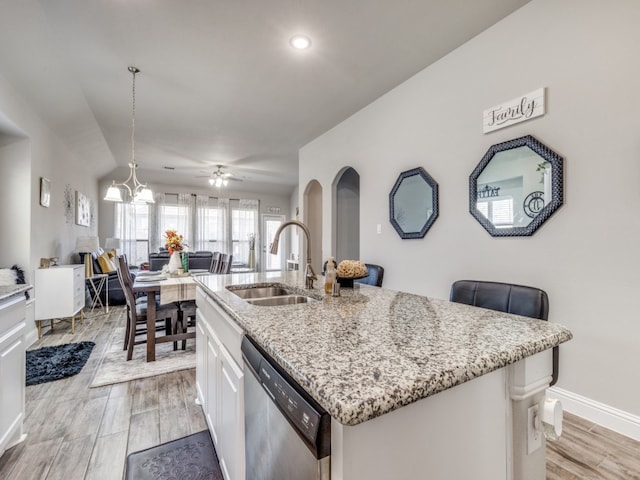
(174, 213)
(244, 222)
(132, 227)
(207, 223)
(209, 218)
(169, 218)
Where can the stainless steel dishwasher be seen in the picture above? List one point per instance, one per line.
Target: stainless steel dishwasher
(287, 434)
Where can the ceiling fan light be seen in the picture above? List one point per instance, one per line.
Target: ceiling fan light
(300, 42)
(218, 182)
(225, 182)
(212, 181)
(113, 194)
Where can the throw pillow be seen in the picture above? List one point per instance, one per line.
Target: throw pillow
(106, 264)
(13, 276)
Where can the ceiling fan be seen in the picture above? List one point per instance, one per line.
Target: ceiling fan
(219, 178)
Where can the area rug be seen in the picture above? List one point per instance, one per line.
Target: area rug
(192, 457)
(114, 367)
(53, 363)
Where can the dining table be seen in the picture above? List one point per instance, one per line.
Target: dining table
(169, 289)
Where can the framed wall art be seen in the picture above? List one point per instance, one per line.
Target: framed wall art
(83, 210)
(45, 192)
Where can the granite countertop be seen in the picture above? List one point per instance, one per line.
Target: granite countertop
(7, 291)
(373, 350)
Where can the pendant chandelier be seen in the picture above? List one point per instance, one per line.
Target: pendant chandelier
(138, 191)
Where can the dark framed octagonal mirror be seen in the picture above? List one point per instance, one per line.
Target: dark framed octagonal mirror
(413, 203)
(516, 186)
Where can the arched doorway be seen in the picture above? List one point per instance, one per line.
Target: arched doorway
(313, 220)
(346, 215)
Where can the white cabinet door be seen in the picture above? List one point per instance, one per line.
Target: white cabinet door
(220, 383)
(12, 380)
(212, 409)
(12, 371)
(201, 356)
(231, 425)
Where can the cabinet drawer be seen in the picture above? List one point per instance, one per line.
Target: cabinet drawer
(12, 313)
(78, 303)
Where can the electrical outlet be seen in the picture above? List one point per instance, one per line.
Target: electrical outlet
(534, 430)
(379, 229)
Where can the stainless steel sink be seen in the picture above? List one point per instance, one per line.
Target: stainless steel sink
(280, 300)
(260, 292)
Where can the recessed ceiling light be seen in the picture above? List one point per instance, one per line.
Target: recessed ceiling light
(300, 42)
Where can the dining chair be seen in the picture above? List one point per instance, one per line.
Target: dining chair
(137, 312)
(225, 263)
(124, 269)
(215, 262)
(375, 274)
(509, 298)
(186, 319)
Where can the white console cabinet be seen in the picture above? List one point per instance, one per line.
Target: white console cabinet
(12, 369)
(219, 381)
(59, 293)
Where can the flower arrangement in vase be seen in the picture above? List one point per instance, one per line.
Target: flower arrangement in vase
(174, 242)
(175, 245)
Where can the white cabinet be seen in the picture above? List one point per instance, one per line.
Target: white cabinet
(12, 370)
(59, 293)
(231, 417)
(220, 384)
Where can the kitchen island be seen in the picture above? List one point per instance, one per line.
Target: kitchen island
(415, 386)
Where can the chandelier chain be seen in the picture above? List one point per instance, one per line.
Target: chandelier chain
(133, 117)
(138, 191)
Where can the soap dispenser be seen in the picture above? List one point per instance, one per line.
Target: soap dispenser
(329, 276)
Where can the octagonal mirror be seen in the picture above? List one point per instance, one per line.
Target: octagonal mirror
(413, 203)
(516, 186)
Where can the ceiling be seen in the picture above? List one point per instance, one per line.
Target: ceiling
(219, 83)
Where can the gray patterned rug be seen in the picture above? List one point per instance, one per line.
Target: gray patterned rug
(193, 457)
(114, 367)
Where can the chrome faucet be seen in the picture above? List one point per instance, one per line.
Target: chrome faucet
(309, 274)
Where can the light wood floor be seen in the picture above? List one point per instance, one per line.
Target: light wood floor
(588, 451)
(77, 432)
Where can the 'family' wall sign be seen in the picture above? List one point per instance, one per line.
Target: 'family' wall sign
(514, 111)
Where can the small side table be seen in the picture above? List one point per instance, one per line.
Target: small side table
(95, 284)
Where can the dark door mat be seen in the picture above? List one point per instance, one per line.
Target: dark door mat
(193, 457)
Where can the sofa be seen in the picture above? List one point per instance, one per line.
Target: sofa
(116, 295)
(197, 260)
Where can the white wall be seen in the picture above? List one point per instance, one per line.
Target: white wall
(346, 216)
(587, 255)
(15, 172)
(52, 232)
(294, 236)
(39, 231)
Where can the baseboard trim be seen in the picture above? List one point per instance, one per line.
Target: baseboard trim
(596, 412)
